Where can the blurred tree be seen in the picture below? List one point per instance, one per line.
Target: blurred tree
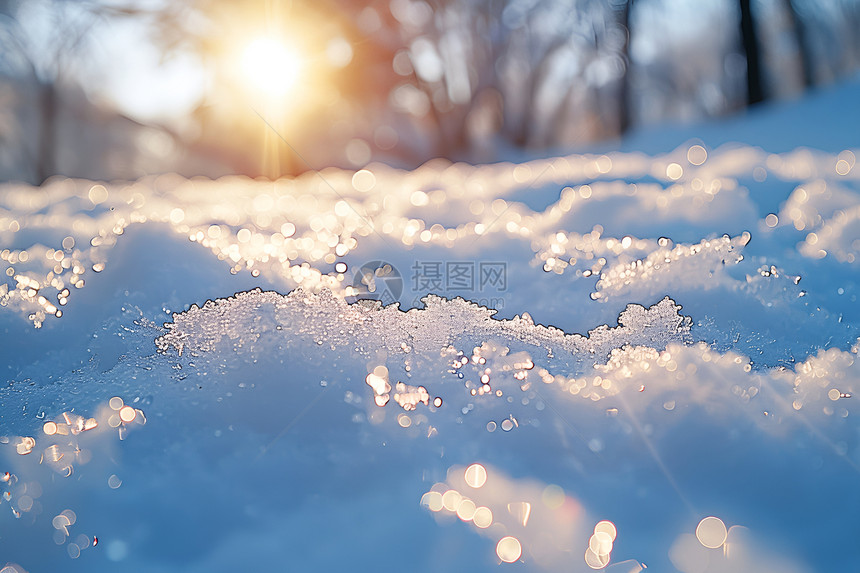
(342, 75)
(529, 66)
(461, 78)
(42, 60)
(798, 27)
(42, 42)
(454, 78)
(749, 40)
(624, 112)
(802, 43)
(405, 80)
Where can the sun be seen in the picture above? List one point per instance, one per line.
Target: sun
(271, 67)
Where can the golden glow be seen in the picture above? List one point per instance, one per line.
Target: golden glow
(599, 550)
(378, 381)
(53, 453)
(378, 384)
(271, 66)
(62, 453)
(476, 475)
(687, 554)
(432, 500)
(606, 527)
(509, 549)
(325, 227)
(466, 510)
(674, 171)
(594, 560)
(363, 180)
(127, 414)
(25, 503)
(518, 515)
(697, 155)
(553, 496)
(408, 397)
(25, 446)
(97, 194)
(521, 511)
(61, 521)
(600, 543)
(483, 517)
(70, 516)
(737, 542)
(451, 499)
(711, 532)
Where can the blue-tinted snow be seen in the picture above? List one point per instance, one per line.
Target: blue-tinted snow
(264, 448)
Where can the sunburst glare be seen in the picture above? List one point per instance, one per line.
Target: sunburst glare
(271, 67)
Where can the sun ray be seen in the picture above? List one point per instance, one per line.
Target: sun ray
(271, 67)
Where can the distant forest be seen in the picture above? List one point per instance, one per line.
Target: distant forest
(413, 79)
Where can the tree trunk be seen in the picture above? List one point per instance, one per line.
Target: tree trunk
(749, 39)
(624, 84)
(537, 76)
(46, 155)
(798, 27)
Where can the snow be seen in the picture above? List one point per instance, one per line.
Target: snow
(663, 339)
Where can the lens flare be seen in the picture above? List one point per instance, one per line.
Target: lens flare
(271, 67)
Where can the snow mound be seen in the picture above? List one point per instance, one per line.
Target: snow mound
(274, 423)
(581, 210)
(369, 328)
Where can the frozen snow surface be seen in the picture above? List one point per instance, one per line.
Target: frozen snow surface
(618, 361)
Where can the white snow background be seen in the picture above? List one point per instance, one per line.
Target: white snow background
(676, 338)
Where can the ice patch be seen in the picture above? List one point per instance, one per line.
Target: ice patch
(308, 230)
(369, 328)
